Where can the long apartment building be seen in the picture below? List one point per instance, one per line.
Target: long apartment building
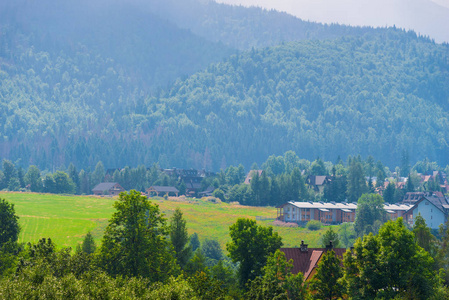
(329, 212)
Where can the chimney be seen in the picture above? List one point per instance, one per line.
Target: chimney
(330, 246)
(303, 247)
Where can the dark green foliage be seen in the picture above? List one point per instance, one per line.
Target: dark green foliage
(9, 173)
(218, 193)
(196, 264)
(134, 242)
(313, 97)
(336, 190)
(33, 178)
(212, 249)
(277, 281)
(313, 225)
(326, 283)
(63, 184)
(194, 242)
(356, 180)
(9, 223)
(370, 214)
(317, 168)
(330, 236)
(88, 246)
(179, 237)
(423, 237)
(389, 265)
(389, 192)
(207, 287)
(251, 245)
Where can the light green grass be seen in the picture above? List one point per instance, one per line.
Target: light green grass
(66, 219)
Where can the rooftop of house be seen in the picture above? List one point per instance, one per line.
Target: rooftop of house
(344, 206)
(251, 175)
(306, 259)
(316, 180)
(106, 186)
(163, 189)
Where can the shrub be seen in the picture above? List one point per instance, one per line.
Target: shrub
(313, 225)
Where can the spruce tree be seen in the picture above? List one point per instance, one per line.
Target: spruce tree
(179, 237)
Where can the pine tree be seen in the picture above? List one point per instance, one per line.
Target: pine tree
(179, 237)
(88, 246)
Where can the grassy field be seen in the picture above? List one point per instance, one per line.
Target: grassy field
(66, 219)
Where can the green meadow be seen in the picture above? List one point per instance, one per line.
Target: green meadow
(67, 218)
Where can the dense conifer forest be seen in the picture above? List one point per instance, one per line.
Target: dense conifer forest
(80, 87)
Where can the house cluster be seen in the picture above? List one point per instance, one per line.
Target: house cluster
(190, 177)
(432, 206)
(401, 182)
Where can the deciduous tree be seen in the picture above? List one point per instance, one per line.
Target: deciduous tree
(134, 242)
(251, 245)
(9, 223)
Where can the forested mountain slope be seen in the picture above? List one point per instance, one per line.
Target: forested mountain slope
(378, 95)
(77, 84)
(151, 51)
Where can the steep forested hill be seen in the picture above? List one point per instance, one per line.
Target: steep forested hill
(78, 84)
(152, 51)
(379, 94)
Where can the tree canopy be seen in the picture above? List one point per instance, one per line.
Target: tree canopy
(251, 245)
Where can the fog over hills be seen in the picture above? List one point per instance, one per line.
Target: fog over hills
(426, 17)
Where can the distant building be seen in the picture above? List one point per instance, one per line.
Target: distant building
(317, 183)
(327, 213)
(164, 190)
(305, 259)
(108, 188)
(433, 208)
(251, 174)
(192, 178)
(330, 212)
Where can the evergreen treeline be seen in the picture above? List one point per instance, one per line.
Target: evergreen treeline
(282, 179)
(321, 98)
(142, 256)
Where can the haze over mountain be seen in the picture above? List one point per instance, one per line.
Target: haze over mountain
(427, 17)
(139, 82)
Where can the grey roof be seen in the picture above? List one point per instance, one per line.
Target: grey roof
(438, 202)
(164, 189)
(105, 186)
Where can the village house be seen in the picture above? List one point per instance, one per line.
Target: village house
(330, 212)
(317, 183)
(305, 260)
(192, 178)
(434, 208)
(155, 190)
(327, 213)
(108, 188)
(251, 174)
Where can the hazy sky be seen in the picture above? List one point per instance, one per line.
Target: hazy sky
(428, 17)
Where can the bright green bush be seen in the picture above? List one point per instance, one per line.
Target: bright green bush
(314, 225)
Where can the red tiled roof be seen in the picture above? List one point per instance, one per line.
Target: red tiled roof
(305, 262)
